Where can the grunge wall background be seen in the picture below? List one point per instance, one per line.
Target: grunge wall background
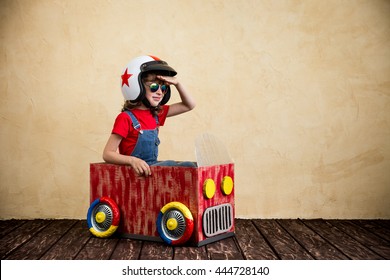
(299, 92)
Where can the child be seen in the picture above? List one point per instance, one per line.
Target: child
(146, 88)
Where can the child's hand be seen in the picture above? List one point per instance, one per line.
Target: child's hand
(168, 80)
(140, 167)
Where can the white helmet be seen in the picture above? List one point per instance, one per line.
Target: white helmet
(131, 82)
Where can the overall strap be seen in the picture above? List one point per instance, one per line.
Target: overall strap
(157, 122)
(135, 122)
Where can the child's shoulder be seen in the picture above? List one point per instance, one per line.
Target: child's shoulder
(138, 114)
(123, 114)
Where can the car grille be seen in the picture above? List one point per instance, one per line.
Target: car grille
(217, 219)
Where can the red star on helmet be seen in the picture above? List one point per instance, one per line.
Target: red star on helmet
(125, 78)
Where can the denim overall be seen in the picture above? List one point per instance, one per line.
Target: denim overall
(146, 147)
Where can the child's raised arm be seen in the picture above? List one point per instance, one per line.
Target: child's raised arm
(187, 101)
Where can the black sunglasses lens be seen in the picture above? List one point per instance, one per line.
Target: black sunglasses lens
(154, 87)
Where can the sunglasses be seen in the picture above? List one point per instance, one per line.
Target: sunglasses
(155, 86)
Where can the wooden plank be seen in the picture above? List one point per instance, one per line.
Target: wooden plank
(284, 245)
(190, 253)
(42, 241)
(364, 237)
(127, 249)
(225, 249)
(20, 235)
(8, 226)
(374, 227)
(251, 242)
(341, 240)
(318, 247)
(254, 239)
(97, 249)
(383, 223)
(70, 244)
(156, 251)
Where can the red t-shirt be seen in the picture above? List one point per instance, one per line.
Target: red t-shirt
(123, 126)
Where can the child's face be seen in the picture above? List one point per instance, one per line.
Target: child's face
(155, 89)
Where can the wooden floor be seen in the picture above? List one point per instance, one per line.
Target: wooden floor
(254, 240)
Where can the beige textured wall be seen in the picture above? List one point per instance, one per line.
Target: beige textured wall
(299, 91)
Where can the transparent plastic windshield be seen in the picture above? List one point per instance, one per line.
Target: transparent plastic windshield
(210, 151)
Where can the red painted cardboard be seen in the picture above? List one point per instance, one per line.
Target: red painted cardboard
(140, 199)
